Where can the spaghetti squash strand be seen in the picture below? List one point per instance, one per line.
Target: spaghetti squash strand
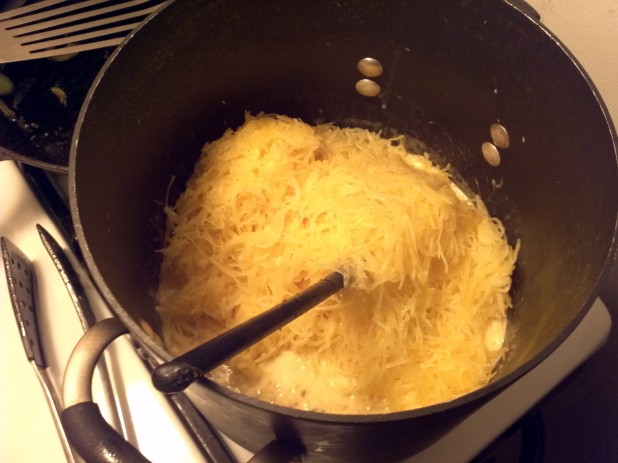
(276, 205)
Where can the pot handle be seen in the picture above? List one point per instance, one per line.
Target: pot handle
(86, 429)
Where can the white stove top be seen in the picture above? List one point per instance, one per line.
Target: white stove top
(27, 432)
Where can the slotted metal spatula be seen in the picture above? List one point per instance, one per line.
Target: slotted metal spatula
(64, 27)
(21, 283)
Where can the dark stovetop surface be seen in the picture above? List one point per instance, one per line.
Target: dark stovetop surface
(38, 116)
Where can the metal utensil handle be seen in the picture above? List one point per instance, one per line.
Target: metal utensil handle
(70, 278)
(72, 282)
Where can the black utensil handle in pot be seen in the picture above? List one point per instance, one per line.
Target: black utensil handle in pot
(86, 429)
(177, 374)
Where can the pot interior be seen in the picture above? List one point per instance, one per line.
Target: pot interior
(450, 71)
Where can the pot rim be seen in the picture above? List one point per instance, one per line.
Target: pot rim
(161, 355)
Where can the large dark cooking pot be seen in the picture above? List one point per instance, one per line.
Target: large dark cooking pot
(451, 69)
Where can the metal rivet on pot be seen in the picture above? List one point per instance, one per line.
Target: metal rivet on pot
(370, 67)
(491, 153)
(499, 135)
(367, 87)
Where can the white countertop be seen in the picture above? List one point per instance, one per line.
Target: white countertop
(27, 432)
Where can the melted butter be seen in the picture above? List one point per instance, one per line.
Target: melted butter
(301, 383)
(495, 335)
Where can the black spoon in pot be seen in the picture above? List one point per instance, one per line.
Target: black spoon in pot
(177, 374)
